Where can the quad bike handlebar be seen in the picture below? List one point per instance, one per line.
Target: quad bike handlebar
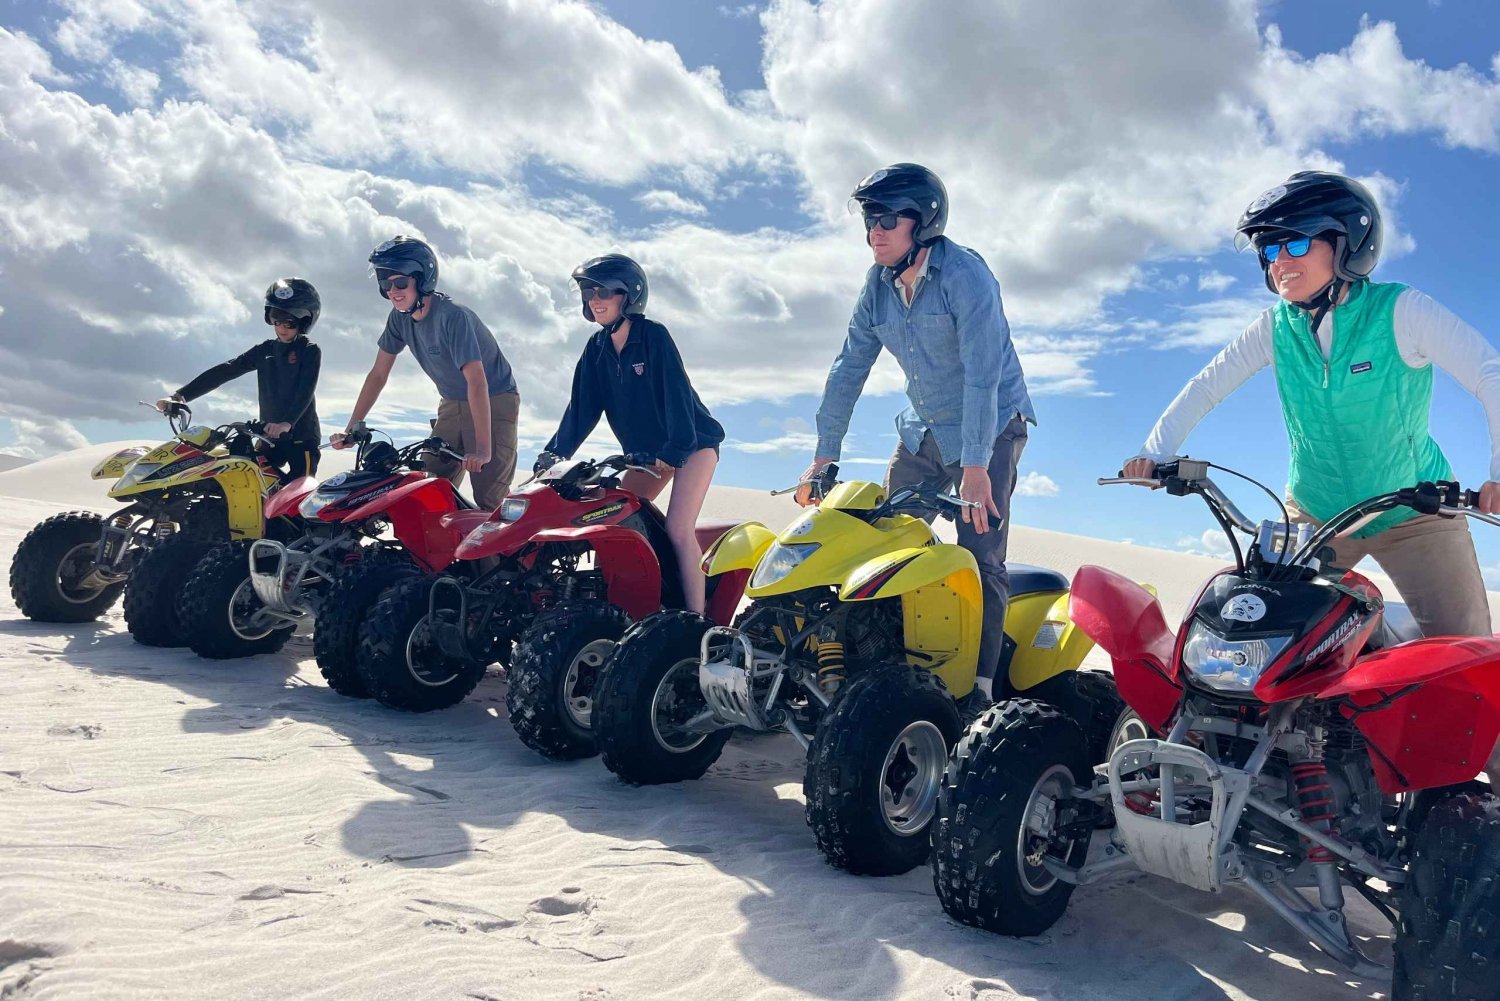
(923, 498)
(405, 457)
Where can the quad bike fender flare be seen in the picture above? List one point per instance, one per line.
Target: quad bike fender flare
(1048, 641)
(284, 502)
(244, 486)
(740, 548)
(632, 575)
(903, 570)
(1443, 731)
(724, 593)
(1126, 621)
(419, 513)
(113, 466)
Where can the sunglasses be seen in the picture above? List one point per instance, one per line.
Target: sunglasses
(288, 324)
(399, 282)
(885, 220)
(599, 292)
(1295, 248)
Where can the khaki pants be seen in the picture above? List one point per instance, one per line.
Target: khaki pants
(1432, 562)
(455, 425)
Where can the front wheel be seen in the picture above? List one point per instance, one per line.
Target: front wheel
(554, 674)
(1448, 941)
(336, 629)
(646, 697)
(998, 818)
(222, 618)
(51, 573)
(875, 768)
(151, 606)
(399, 658)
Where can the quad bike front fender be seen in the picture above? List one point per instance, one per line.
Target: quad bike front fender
(1126, 621)
(1048, 642)
(632, 575)
(902, 570)
(740, 548)
(112, 467)
(1443, 731)
(425, 519)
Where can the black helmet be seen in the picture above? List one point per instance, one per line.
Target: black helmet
(1312, 203)
(907, 187)
(297, 298)
(407, 255)
(614, 271)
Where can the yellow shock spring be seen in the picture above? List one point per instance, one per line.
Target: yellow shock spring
(830, 665)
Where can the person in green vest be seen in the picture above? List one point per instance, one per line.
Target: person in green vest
(1353, 361)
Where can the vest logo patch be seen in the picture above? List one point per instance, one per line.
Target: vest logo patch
(1362, 366)
(640, 368)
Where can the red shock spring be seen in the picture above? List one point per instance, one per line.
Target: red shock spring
(1315, 803)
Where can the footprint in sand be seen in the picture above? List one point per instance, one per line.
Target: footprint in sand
(570, 900)
(20, 964)
(88, 731)
(566, 921)
(445, 916)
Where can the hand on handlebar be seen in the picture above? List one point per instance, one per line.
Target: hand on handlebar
(1489, 498)
(544, 461)
(980, 500)
(276, 429)
(809, 479)
(1140, 468)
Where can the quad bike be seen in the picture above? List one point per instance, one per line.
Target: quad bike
(201, 486)
(1310, 748)
(248, 597)
(560, 570)
(862, 642)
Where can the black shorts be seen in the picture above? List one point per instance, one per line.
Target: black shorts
(292, 459)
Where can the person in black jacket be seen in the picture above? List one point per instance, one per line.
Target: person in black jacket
(631, 374)
(286, 368)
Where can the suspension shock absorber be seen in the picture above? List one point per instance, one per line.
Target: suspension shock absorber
(830, 665)
(1314, 795)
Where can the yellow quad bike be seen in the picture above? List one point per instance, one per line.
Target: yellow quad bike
(861, 640)
(201, 486)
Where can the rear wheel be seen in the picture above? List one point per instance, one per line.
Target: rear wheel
(151, 606)
(648, 691)
(1092, 699)
(49, 575)
(875, 768)
(554, 674)
(399, 658)
(337, 627)
(997, 819)
(1448, 941)
(222, 617)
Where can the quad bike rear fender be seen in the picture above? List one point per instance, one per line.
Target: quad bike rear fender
(1048, 642)
(632, 575)
(1126, 621)
(1441, 732)
(419, 512)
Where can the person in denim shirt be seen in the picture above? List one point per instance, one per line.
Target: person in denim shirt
(936, 307)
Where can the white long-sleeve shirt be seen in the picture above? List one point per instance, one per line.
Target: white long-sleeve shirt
(1426, 334)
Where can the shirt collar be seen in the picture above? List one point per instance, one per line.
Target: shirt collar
(934, 261)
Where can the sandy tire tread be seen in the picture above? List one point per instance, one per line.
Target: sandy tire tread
(534, 696)
(203, 607)
(151, 607)
(33, 570)
(336, 631)
(382, 653)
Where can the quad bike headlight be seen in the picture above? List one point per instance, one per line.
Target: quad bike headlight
(1227, 665)
(512, 508)
(780, 560)
(313, 503)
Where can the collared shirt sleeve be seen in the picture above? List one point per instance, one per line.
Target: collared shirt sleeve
(1429, 333)
(1230, 369)
(674, 394)
(846, 378)
(309, 364)
(585, 406)
(223, 372)
(983, 333)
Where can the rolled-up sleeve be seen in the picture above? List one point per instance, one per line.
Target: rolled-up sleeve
(846, 378)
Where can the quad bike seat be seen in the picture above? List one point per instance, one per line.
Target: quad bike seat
(708, 532)
(1397, 626)
(1027, 579)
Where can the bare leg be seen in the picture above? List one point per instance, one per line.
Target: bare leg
(688, 492)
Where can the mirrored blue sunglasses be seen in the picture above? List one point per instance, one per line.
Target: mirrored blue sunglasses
(1296, 248)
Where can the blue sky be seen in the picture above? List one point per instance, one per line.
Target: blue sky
(168, 158)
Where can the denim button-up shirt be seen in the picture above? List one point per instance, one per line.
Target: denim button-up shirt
(963, 378)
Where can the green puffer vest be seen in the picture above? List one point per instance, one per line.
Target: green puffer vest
(1357, 421)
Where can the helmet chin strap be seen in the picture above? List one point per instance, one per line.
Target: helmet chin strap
(615, 324)
(1320, 302)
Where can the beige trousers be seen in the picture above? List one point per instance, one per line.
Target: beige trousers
(455, 425)
(1432, 562)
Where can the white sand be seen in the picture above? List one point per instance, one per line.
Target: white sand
(177, 828)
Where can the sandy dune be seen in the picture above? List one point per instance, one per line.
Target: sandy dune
(178, 828)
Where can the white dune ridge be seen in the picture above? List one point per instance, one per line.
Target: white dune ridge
(176, 827)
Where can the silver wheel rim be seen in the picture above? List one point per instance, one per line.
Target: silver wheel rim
(418, 642)
(1055, 782)
(665, 700)
(910, 778)
(83, 555)
(1129, 727)
(581, 679)
(243, 605)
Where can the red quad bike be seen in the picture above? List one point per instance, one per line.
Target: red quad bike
(362, 531)
(1312, 747)
(565, 565)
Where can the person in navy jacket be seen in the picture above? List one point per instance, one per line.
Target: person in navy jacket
(632, 375)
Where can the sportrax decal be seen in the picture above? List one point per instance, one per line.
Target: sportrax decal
(599, 512)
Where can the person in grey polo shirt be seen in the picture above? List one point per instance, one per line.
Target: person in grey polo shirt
(478, 403)
(936, 307)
